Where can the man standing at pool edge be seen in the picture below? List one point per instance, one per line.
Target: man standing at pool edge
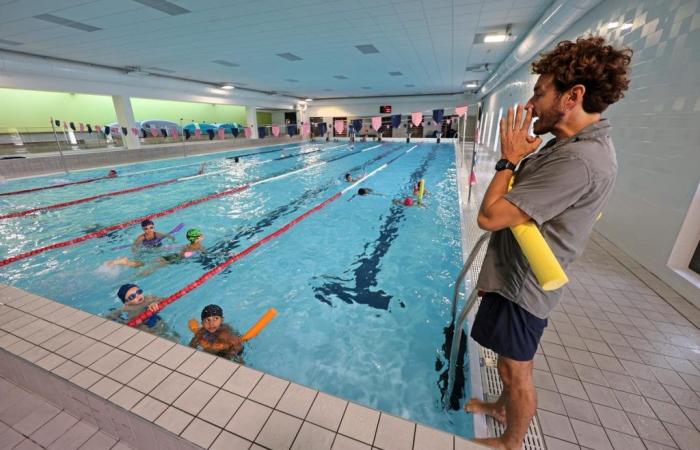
(562, 188)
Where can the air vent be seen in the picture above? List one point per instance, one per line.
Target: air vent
(340, 77)
(395, 74)
(164, 6)
(409, 85)
(158, 69)
(291, 80)
(366, 87)
(67, 22)
(289, 56)
(367, 49)
(9, 42)
(222, 62)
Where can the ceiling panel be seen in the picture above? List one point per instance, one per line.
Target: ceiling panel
(429, 41)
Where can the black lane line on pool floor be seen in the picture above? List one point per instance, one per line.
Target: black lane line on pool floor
(220, 251)
(367, 264)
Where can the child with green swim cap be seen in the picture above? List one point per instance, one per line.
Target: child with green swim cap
(195, 236)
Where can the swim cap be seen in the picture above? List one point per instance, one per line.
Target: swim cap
(408, 201)
(121, 293)
(193, 234)
(146, 222)
(212, 311)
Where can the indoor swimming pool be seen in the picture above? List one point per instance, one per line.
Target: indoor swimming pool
(362, 284)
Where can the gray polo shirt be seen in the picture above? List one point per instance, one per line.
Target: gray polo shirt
(563, 187)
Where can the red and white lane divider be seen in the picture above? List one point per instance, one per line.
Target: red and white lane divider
(91, 180)
(54, 186)
(78, 201)
(238, 256)
(187, 204)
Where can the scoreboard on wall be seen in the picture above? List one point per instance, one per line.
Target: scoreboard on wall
(385, 109)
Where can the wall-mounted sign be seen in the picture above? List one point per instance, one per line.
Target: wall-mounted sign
(385, 109)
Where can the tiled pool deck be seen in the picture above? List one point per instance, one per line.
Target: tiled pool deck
(123, 380)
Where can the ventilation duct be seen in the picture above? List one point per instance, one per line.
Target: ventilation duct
(560, 16)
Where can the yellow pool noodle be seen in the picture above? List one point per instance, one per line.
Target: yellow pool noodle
(262, 323)
(421, 190)
(544, 264)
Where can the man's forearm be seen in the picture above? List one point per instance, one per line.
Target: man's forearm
(496, 190)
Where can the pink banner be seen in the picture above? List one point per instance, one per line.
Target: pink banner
(275, 130)
(248, 132)
(376, 123)
(115, 131)
(154, 132)
(98, 128)
(339, 126)
(305, 129)
(461, 110)
(133, 130)
(221, 133)
(416, 118)
(197, 132)
(173, 133)
(81, 127)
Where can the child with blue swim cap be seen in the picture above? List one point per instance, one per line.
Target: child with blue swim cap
(134, 303)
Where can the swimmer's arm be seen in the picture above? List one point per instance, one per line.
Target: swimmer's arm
(114, 315)
(162, 236)
(194, 343)
(137, 243)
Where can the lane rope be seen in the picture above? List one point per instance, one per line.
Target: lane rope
(238, 256)
(130, 174)
(26, 212)
(165, 212)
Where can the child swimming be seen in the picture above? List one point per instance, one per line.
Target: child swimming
(135, 303)
(195, 238)
(216, 337)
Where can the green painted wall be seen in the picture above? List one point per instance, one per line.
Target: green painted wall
(32, 109)
(264, 118)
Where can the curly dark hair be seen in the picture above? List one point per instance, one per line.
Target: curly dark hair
(601, 68)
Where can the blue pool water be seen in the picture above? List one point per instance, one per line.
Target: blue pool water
(362, 287)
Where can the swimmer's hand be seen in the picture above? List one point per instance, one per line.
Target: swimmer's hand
(153, 307)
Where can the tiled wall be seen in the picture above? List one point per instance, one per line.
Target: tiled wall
(656, 127)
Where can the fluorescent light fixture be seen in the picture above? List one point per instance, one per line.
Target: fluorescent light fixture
(491, 38)
(227, 86)
(613, 24)
(626, 26)
(309, 100)
(471, 85)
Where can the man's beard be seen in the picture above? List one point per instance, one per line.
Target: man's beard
(547, 120)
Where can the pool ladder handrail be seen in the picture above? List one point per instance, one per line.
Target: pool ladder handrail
(471, 301)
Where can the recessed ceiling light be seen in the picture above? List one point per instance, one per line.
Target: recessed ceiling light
(613, 24)
(168, 8)
(227, 86)
(291, 80)
(409, 85)
(491, 38)
(340, 77)
(626, 26)
(225, 63)
(471, 84)
(309, 100)
(395, 74)
(67, 22)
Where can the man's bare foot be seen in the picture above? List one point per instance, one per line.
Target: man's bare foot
(495, 410)
(494, 443)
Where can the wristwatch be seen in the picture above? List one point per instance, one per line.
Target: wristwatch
(504, 164)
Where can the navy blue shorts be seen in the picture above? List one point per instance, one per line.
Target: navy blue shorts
(506, 328)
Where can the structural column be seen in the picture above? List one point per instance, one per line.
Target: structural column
(251, 116)
(125, 117)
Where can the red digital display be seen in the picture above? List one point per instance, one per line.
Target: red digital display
(385, 109)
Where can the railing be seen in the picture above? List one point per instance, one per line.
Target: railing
(458, 322)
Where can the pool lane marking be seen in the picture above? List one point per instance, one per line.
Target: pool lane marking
(78, 201)
(90, 180)
(238, 256)
(372, 147)
(109, 229)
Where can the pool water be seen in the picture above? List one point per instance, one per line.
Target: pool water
(363, 286)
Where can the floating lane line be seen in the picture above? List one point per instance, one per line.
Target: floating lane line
(181, 206)
(238, 256)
